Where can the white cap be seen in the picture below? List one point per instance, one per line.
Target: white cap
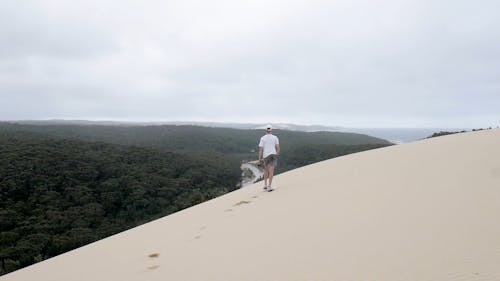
(269, 127)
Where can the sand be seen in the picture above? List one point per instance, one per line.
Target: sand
(428, 210)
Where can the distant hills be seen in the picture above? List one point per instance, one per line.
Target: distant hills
(282, 126)
(188, 137)
(298, 148)
(394, 135)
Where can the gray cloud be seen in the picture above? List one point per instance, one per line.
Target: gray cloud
(351, 63)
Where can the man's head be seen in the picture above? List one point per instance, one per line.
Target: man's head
(269, 128)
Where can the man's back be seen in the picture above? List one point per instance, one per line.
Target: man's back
(268, 144)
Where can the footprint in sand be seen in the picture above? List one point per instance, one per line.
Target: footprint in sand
(201, 229)
(153, 256)
(242, 203)
(153, 267)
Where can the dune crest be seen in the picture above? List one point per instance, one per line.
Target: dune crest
(428, 210)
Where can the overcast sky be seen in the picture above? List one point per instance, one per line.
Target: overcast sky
(364, 63)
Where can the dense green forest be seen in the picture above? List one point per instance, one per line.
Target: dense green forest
(189, 138)
(444, 133)
(59, 194)
(65, 186)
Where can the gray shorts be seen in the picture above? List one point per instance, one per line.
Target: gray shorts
(271, 160)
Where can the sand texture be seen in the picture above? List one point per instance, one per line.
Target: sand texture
(428, 210)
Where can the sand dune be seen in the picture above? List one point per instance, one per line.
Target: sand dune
(428, 210)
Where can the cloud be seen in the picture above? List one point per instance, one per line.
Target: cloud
(362, 63)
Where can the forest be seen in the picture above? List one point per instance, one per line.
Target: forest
(188, 138)
(62, 187)
(445, 133)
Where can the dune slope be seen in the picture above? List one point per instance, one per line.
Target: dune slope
(428, 210)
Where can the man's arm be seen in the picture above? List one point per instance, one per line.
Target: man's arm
(278, 149)
(261, 149)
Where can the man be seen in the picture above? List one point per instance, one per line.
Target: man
(269, 151)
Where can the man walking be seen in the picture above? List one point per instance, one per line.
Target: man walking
(269, 151)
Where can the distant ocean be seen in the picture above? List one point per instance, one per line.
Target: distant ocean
(400, 135)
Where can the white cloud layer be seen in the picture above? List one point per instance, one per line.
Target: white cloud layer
(343, 62)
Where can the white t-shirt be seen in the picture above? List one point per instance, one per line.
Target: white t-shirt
(268, 143)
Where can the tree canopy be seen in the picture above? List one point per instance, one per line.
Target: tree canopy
(64, 186)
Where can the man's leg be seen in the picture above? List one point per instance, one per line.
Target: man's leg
(266, 174)
(270, 175)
